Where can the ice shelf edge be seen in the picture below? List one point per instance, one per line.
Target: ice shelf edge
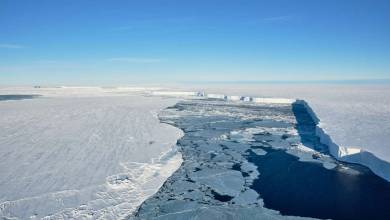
(342, 153)
(349, 154)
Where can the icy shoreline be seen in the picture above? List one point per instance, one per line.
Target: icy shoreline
(214, 180)
(113, 111)
(349, 154)
(343, 153)
(231, 152)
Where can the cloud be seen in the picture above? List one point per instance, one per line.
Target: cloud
(134, 60)
(11, 46)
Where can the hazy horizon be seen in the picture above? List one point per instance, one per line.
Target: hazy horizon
(373, 82)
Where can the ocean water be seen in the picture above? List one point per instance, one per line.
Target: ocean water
(253, 159)
(17, 97)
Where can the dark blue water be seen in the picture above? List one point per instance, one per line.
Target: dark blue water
(285, 184)
(16, 97)
(308, 189)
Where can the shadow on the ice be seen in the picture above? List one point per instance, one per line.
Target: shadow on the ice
(306, 127)
(17, 97)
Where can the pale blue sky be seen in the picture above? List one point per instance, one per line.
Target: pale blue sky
(119, 42)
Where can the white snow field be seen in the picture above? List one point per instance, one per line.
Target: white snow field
(92, 152)
(354, 119)
(85, 153)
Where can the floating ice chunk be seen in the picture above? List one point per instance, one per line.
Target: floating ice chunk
(216, 96)
(223, 182)
(329, 165)
(247, 99)
(259, 152)
(234, 98)
(305, 149)
(249, 196)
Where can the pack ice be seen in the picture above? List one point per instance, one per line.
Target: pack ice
(352, 120)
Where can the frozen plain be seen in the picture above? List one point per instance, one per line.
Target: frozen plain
(113, 191)
(82, 152)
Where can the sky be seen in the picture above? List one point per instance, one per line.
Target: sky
(121, 42)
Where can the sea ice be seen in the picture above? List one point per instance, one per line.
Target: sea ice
(82, 152)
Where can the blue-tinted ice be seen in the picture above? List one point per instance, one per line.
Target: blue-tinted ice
(244, 161)
(17, 97)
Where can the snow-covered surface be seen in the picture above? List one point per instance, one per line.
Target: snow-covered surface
(355, 117)
(83, 152)
(215, 180)
(95, 152)
(353, 120)
(347, 153)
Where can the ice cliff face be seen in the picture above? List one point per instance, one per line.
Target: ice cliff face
(214, 181)
(241, 157)
(351, 154)
(100, 152)
(355, 116)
